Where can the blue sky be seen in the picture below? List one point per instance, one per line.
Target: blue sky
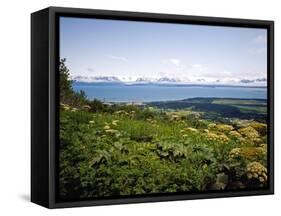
(129, 49)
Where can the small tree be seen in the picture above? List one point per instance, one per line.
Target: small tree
(67, 94)
(65, 83)
(97, 106)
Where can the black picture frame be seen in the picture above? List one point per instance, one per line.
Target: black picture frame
(45, 102)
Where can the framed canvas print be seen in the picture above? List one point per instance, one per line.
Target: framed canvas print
(139, 107)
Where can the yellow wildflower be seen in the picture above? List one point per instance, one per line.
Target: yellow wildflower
(260, 127)
(106, 127)
(114, 122)
(175, 117)
(249, 132)
(249, 175)
(235, 134)
(247, 152)
(212, 126)
(190, 129)
(74, 109)
(65, 106)
(86, 107)
(257, 171)
(212, 137)
(224, 128)
(235, 152)
(223, 138)
(111, 131)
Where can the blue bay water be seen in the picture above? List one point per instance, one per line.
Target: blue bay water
(148, 93)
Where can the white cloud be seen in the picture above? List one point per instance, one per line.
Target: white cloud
(175, 61)
(199, 67)
(258, 45)
(120, 58)
(259, 50)
(91, 70)
(260, 39)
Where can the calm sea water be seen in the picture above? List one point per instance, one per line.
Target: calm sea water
(148, 93)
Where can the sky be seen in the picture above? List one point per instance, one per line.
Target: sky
(131, 49)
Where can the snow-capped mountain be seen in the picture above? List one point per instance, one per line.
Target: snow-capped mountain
(168, 80)
(126, 80)
(145, 80)
(96, 79)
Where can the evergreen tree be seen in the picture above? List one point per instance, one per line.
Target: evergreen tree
(67, 94)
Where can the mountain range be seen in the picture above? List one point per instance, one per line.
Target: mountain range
(167, 80)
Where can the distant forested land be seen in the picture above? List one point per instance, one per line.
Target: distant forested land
(218, 108)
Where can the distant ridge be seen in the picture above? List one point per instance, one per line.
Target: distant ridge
(259, 82)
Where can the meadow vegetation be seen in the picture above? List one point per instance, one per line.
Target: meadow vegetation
(124, 150)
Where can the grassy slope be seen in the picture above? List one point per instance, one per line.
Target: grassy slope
(125, 153)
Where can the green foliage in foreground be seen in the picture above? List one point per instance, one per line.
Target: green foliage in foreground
(131, 151)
